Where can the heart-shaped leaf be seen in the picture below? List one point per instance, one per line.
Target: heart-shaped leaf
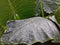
(31, 30)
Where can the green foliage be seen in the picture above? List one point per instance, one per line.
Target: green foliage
(57, 15)
(21, 9)
(50, 5)
(1, 31)
(24, 8)
(5, 12)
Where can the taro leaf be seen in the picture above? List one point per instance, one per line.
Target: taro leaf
(50, 5)
(57, 15)
(36, 29)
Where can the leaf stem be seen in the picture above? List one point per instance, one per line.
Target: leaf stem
(12, 8)
(37, 8)
(41, 7)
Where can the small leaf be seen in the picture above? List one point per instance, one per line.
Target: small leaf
(50, 5)
(57, 15)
